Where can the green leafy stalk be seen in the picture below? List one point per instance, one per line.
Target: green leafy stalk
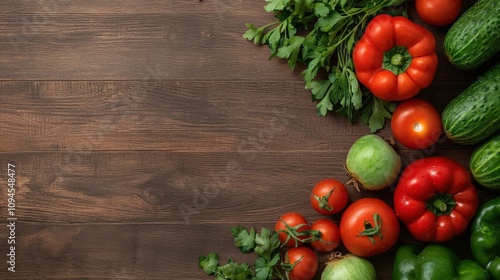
(321, 35)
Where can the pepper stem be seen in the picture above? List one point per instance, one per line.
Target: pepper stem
(397, 60)
(441, 204)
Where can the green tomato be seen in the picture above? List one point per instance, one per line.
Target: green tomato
(373, 163)
(349, 267)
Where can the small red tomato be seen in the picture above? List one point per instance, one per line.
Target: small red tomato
(292, 228)
(301, 263)
(438, 12)
(329, 235)
(329, 196)
(416, 124)
(368, 227)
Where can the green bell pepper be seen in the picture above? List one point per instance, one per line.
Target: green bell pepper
(485, 237)
(434, 262)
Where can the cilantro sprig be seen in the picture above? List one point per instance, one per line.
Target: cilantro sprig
(321, 34)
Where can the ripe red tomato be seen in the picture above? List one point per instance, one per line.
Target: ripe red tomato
(292, 228)
(329, 196)
(368, 227)
(301, 263)
(438, 12)
(329, 235)
(416, 124)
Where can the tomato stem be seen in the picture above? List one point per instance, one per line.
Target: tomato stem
(371, 230)
(287, 266)
(352, 180)
(323, 201)
(295, 234)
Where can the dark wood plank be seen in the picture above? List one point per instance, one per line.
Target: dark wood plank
(190, 40)
(81, 40)
(174, 187)
(175, 116)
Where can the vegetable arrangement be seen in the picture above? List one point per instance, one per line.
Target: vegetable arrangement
(359, 45)
(321, 35)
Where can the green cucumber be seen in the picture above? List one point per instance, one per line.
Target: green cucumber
(474, 115)
(474, 38)
(485, 163)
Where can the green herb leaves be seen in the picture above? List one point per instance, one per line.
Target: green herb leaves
(265, 244)
(321, 35)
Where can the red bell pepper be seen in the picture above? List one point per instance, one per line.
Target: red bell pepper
(395, 58)
(435, 199)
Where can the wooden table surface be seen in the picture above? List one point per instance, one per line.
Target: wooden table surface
(141, 131)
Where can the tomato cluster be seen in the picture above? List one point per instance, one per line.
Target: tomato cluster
(367, 227)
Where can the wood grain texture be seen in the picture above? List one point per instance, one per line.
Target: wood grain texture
(141, 131)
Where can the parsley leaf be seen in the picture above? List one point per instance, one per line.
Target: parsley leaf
(276, 5)
(290, 50)
(253, 34)
(234, 271)
(243, 239)
(376, 111)
(321, 10)
(267, 244)
(209, 263)
(264, 268)
(327, 23)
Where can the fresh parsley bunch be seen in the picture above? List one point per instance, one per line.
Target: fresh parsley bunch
(265, 244)
(321, 35)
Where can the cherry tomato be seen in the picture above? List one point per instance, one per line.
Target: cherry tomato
(329, 196)
(292, 228)
(438, 12)
(301, 263)
(416, 124)
(368, 227)
(329, 235)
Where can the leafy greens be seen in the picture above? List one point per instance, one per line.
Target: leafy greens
(321, 34)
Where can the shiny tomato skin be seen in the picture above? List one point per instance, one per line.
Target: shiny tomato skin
(330, 235)
(416, 124)
(331, 192)
(438, 12)
(307, 263)
(353, 223)
(295, 221)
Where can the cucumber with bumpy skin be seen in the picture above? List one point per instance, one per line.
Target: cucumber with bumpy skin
(485, 163)
(474, 115)
(474, 38)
